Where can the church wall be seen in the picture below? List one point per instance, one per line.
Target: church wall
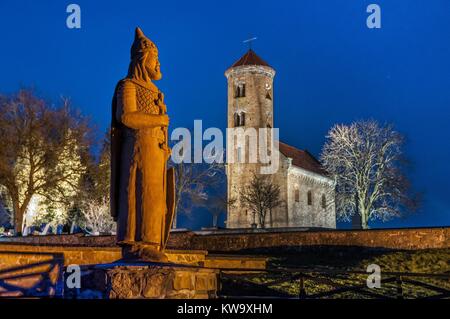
(238, 176)
(280, 216)
(303, 214)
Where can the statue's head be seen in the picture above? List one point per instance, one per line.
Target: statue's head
(144, 58)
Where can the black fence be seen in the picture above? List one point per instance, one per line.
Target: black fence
(34, 280)
(298, 283)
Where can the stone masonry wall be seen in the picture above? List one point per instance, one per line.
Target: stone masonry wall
(415, 238)
(227, 240)
(301, 214)
(18, 255)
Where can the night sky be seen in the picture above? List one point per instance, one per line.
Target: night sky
(330, 68)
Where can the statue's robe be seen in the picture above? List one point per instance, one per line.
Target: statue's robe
(139, 156)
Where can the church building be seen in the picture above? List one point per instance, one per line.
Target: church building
(306, 191)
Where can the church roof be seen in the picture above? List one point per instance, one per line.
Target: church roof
(250, 58)
(302, 159)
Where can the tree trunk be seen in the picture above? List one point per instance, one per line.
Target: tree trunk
(270, 218)
(364, 221)
(262, 218)
(19, 211)
(18, 219)
(363, 212)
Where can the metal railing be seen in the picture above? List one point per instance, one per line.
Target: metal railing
(34, 280)
(301, 283)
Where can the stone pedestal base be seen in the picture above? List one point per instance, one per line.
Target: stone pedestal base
(161, 281)
(146, 281)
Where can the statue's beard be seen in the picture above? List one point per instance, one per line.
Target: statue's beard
(140, 72)
(155, 74)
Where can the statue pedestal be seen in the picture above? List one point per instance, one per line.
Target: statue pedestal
(161, 281)
(149, 281)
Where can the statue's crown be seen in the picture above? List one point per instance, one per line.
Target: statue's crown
(142, 44)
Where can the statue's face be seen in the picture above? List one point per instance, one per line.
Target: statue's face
(152, 65)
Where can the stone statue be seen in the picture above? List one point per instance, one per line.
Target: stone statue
(142, 188)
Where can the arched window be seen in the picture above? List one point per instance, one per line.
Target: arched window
(240, 90)
(296, 195)
(236, 119)
(324, 201)
(239, 119)
(310, 198)
(242, 119)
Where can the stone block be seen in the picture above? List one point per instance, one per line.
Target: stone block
(201, 282)
(183, 280)
(157, 281)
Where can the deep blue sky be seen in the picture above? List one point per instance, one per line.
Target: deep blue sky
(330, 68)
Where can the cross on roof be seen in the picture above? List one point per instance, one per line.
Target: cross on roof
(249, 41)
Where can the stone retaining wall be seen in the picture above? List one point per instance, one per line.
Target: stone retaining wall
(234, 240)
(410, 239)
(14, 255)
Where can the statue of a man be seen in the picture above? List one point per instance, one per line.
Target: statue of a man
(142, 189)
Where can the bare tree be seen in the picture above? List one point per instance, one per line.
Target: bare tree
(191, 184)
(261, 196)
(218, 204)
(5, 215)
(366, 161)
(42, 151)
(96, 218)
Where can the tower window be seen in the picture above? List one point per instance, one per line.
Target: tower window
(324, 201)
(242, 119)
(239, 119)
(239, 156)
(240, 90)
(309, 198)
(297, 195)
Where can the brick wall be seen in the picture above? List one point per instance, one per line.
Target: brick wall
(415, 238)
(234, 240)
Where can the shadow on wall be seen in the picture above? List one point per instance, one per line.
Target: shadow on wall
(37, 274)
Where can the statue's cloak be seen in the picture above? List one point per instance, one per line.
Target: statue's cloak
(116, 132)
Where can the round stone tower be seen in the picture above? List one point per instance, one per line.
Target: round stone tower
(250, 107)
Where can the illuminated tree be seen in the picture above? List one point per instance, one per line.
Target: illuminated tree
(366, 161)
(97, 219)
(43, 151)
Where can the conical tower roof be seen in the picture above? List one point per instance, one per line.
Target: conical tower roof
(250, 58)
